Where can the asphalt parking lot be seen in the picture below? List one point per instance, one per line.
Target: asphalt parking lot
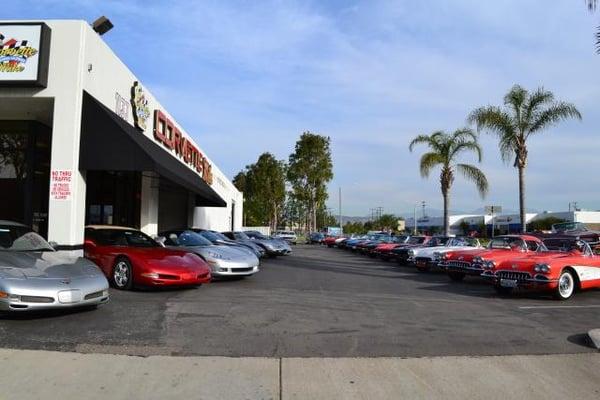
(319, 302)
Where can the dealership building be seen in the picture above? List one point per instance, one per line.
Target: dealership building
(83, 141)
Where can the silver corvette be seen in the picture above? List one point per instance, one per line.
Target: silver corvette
(33, 276)
(223, 260)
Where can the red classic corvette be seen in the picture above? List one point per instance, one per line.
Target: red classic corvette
(385, 250)
(459, 264)
(568, 265)
(329, 241)
(129, 257)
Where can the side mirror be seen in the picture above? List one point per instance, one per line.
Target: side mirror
(160, 240)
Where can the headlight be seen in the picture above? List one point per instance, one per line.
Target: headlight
(439, 256)
(543, 268)
(411, 253)
(489, 265)
(478, 259)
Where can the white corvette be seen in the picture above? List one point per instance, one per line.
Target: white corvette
(426, 257)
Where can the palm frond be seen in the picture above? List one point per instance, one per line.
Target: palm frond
(592, 4)
(515, 99)
(598, 41)
(536, 100)
(461, 146)
(464, 134)
(557, 112)
(429, 161)
(475, 175)
(420, 139)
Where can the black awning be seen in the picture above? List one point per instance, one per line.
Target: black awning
(109, 143)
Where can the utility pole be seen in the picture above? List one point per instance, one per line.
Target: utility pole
(415, 219)
(423, 205)
(340, 204)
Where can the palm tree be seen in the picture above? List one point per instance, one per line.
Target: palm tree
(593, 6)
(523, 115)
(444, 148)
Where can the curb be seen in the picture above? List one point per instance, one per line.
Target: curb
(594, 335)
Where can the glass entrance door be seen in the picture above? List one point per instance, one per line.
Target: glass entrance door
(113, 198)
(25, 173)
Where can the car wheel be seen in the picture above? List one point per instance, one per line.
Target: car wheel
(456, 276)
(122, 274)
(566, 286)
(503, 291)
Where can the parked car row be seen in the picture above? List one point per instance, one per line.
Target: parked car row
(34, 276)
(560, 263)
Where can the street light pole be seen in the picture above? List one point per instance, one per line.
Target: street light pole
(415, 219)
(340, 204)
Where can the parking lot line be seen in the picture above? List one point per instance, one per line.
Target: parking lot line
(551, 307)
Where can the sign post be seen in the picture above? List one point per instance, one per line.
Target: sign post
(493, 210)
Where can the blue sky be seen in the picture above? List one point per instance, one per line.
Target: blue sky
(249, 76)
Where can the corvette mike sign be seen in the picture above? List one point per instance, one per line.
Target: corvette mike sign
(24, 54)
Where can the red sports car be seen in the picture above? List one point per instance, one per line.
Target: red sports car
(459, 264)
(329, 241)
(384, 250)
(568, 265)
(129, 257)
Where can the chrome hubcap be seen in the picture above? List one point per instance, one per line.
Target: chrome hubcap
(121, 274)
(565, 285)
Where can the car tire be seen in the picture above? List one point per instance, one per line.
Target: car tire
(503, 291)
(566, 285)
(456, 276)
(122, 274)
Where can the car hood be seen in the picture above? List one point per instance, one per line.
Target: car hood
(528, 262)
(49, 265)
(430, 251)
(229, 253)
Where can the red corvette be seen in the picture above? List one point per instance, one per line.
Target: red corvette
(329, 241)
(567, 266)
(384, 250)
(129, 257)
(459, 264)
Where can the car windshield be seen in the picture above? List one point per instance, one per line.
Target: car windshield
(220, 236)
(460, 242)
(565, 245)
(209, 235)
(122, 237)
(21, 238)
(186, 239)
(438, 241)
(416, 240)
(256, 235)
(506, 243)
(240, 236)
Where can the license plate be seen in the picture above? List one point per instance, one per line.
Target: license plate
(69, 296)
(508, 283)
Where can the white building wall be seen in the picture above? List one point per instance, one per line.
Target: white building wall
(81, 60)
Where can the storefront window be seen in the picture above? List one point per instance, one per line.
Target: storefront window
(113, 198)
(25, 173)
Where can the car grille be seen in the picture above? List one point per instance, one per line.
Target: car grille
(513, 275)
(36, 299)
(94, 295)
(459, 264)
(422, 259)
(247, 269)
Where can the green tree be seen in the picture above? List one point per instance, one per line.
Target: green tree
(443, 151)
(263, 184)
(387, 221)
(523, 115)
(544, 224)
(309, 170)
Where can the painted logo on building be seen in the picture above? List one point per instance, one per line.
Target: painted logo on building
(139, 105)
(14, 54)
(171, 137)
